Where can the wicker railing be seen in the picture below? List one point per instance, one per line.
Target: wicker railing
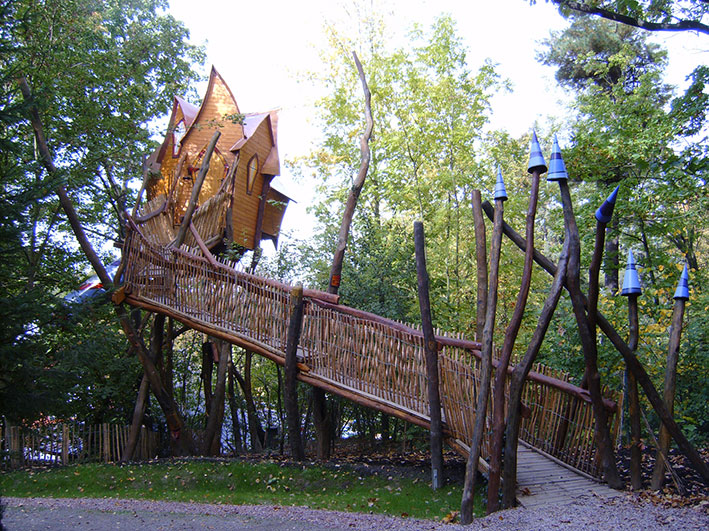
(351, 351)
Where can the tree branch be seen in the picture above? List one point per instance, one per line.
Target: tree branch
(682, 25)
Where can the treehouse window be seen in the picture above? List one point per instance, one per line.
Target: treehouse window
(177, 133)
(251, 172)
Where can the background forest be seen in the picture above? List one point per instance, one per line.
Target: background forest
(104, 72)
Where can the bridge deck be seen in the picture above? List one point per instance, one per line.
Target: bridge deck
(543, 481)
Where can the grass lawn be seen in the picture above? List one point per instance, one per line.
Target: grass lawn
(337, 487)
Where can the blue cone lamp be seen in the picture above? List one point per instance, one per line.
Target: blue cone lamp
(500, 192)
(536, 159)
(557, 168)
(682, 291)
(605, 211)
(631, 281)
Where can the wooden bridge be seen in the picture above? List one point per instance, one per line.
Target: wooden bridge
(373, 361)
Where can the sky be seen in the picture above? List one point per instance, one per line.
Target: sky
(264, 48)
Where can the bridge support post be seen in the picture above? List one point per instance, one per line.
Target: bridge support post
(291, 370)
(431, 350)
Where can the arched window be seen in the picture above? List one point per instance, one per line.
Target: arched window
(251, 173)
(177, 133)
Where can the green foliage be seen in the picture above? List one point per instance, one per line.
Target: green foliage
(333, 488)
(429, 109)
(100, 73)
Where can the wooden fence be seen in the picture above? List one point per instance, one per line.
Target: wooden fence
(58, 444)
(359, 355)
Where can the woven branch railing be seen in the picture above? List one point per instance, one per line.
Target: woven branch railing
(351, 352)
(209, 219)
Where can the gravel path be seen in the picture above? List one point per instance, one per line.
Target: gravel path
(97, 514)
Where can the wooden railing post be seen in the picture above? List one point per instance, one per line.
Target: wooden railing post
(65, 444)
(291, 372)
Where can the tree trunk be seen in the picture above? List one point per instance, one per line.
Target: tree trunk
(206, 376)
(138, 413)
(234, 409)
(258, 436)
(172, 415)
(213, 430)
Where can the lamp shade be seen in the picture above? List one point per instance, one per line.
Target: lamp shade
(631, 281)
(557, 168)
(536, 159)
(500, 192)
(682, 291)
(605, 211)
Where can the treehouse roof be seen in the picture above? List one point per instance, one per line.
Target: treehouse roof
(246, 152)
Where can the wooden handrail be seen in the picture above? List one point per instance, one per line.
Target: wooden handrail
(308, 293)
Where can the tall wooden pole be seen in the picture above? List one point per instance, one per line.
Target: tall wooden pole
(631, 290)
(431, 350)
(291, 373)
(536, 167)
(365, 154)
(681, 296)
(322, 425)
(203, 170)
(521, 370)
(471, 467)
(602, 432)
(481, 264)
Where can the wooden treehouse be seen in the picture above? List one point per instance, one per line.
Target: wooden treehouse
(236, 203)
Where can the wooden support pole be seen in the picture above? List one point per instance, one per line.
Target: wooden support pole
(213, 430)
(184, 227)
(631, 361)
(633, 398)
(588, 343)
(365, 154)
(658, 473)
(138, 413)
(498, 408)
(431, 351)
(481, 264)
(471, 469)
(291, 373)
(258, 233)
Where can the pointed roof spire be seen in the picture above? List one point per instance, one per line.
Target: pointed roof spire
(500, 192)
(605, 211)
(682, 291)
(557, 168)
(631, 281)
(536, 159)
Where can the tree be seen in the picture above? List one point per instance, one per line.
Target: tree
(101, 71)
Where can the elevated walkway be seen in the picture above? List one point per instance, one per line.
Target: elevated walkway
(363, 357)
